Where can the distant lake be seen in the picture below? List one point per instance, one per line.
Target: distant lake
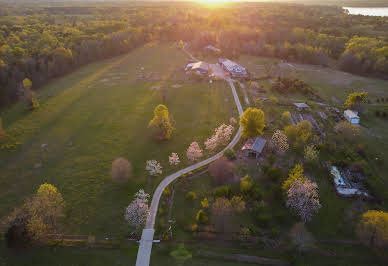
(368, 11)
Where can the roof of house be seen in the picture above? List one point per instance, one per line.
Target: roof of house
(256, 145)
(211, 47)
(301, 105)
(200, 65)
(230, 64)
(351, 114)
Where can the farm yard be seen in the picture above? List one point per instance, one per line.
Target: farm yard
(99, 113)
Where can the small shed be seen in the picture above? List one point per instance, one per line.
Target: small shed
(253, 147)
(352, 116)
(201, 68)
(301, 106)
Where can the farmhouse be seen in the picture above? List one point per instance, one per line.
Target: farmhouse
(235, 70)
(212, 49)
(352, 116)
(201, 68)
(254, 147)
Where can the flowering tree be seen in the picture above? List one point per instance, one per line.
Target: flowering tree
(279, 142)
(153, 167)
(194, 152)
(174, 159)
(221, 136)
(224, 132)
(302, 197)
(311, 153)
(233, 121)
(137, 211)
(211, 143)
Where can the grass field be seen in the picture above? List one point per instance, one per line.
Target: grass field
(96, 114)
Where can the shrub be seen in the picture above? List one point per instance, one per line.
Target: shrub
(286, 118)
(238, 204)
(222, 171)
(167, 192)
(181, 254)
(205, 203)
(274, 100)
(311, 153)
(346, 131)
(246, 184)
(300, 133)
(194, 227)
(121, 170)
(191, 195)
(223, 191)
(201, 217)
(3, 134)
(230, 154)
(274, 174)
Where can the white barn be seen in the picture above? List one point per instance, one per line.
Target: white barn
(352, 116)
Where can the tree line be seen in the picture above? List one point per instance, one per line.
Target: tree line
(44, 42)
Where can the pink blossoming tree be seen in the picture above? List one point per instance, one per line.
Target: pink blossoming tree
(302, 198)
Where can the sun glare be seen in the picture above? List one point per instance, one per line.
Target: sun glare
(213, 2)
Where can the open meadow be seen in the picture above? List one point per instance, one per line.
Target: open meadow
(96, 114)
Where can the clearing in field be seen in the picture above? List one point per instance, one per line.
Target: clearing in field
(97, 114)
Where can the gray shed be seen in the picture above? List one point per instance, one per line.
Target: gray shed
(254, 147)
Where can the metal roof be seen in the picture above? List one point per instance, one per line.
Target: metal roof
(301, 105)
(256, 145)
(351, 114)
(200, 65)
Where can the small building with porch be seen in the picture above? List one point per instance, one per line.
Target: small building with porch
(201, 68)
(253, 147)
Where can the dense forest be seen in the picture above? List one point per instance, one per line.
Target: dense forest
(42, 42)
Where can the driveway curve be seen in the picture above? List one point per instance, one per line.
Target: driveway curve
(144, 251)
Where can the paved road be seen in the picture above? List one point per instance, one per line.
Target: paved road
(144, 251)
(189, 54)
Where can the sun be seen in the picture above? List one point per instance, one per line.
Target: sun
(213, 1)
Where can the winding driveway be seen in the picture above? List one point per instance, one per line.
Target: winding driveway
(147, 237)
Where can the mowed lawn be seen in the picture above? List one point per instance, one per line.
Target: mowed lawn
(96, 114)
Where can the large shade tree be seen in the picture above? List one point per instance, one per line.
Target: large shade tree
(373, 228)
(252, 122)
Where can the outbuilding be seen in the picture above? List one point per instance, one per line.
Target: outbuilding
(253, 147)
(352, 116)
(301, 106)
(235, 70)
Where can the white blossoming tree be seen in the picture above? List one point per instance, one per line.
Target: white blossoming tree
(211, 143)
(279, 142)
(137, 211)
(194, 152)
(153, 167)
(221, 136)
(302, 198)
(174, 159)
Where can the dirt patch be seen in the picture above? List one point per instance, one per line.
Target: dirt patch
(176, 86)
